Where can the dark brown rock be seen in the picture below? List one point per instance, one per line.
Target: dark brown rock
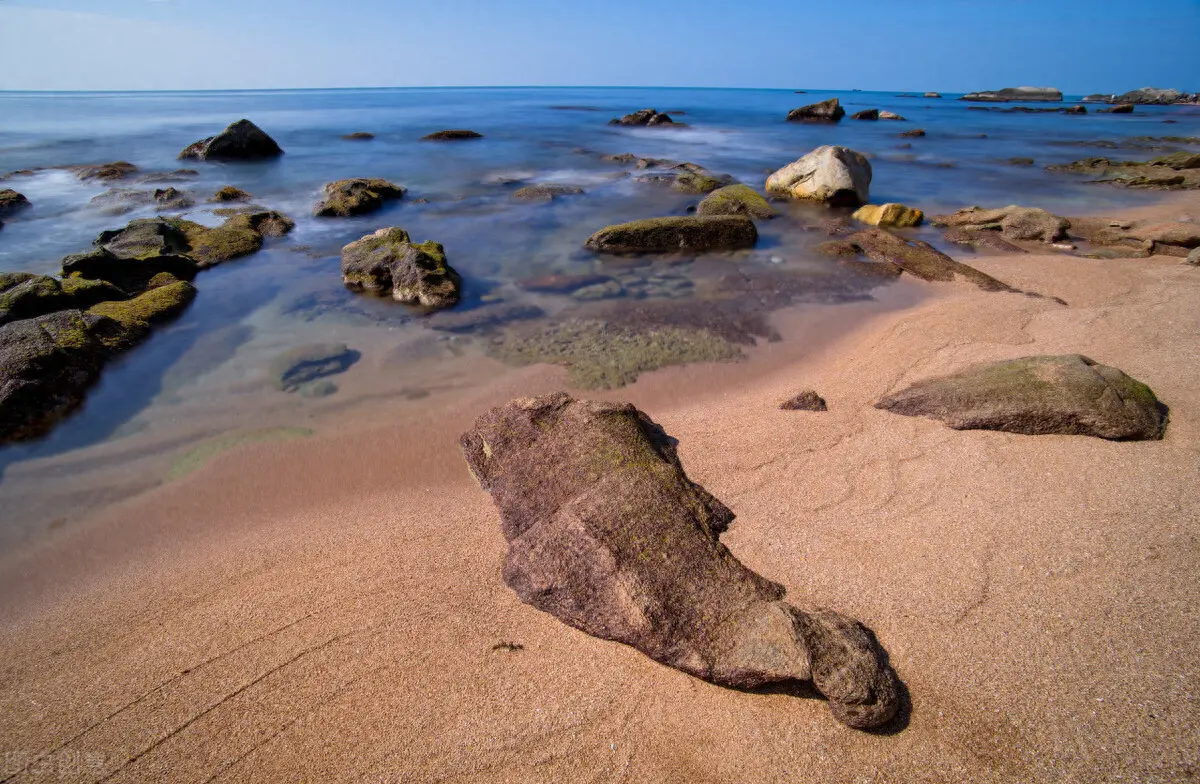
(356, 197)
(866, 114)
(359, 136)
(607, 533)
(241, 141)
(829, 111)
(107, 171)
(453, 135)
(914, 133)
(808, 400)
(920, 259)
(11, 201)
(666, 235)
(1069, 395)
(1125, 108)
(644, 117)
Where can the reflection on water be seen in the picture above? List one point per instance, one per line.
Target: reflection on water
(207, 373)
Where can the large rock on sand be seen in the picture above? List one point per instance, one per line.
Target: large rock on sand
(836, 175)
(388, 263)
(46, 365)
(241, 141)
(1069, 395)
(667, 235)
(356, 197)
(607, 533)
(829, 111)
(1013, 222)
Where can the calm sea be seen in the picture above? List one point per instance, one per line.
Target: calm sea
(206, 373)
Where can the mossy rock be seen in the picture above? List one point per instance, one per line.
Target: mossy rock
(230, 193)
(454, 135)
(890, 214)
(1067, 395)
(118, 170)
(210, 246)
(687, 233)
(546, 192)
(1176, 160)
(389, 263)
(700, 182)
(24, 295)
(736, 200)
(356, 197)
(11, 201)
(603, 355)
(136, 316)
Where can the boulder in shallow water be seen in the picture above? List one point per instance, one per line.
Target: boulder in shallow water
(836, 175)
(644, 117)
(11, 201)
(356, 196)
(241, 141)
(452, 135)
(696, 234)
(24, 295)
(1125, 108)
(736, 199)
(866, 114)
(230, 193)
(546, 191)
(118, 170)
(607, 533)
(829, 111)
(1068, 395)
(890, 214)
(886, 115)
(389, 264)
(46, 365)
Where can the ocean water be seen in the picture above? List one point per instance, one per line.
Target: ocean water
(206, 373)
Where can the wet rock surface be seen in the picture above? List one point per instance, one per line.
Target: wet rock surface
(607, 533)
(388, 263)
(357, 196)
(736, 199)
(241, 141)
(644, 117)
(1068, 395)
(835, 175)
(829, 111)
(672, 234)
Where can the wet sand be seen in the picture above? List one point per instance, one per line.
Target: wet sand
(329, 608)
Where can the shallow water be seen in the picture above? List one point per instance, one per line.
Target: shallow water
(205, 373)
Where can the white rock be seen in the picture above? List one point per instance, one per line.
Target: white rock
(836, 175)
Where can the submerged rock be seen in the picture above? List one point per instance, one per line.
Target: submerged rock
(1069, 395)
(388, 263)
(1016, 94)
(305, 364)
(644, 117)
(137, 316)
(484, 317)
(736, 200)
(890, 214)
(561, 284)
(920, 259)
(607, 533)
(1125, 108)
(118, 170)
(666, 235)
(829, 111)
(836, 175)
(807, 400)
(241, 141)
(46, 365)
(356, 197)
(359, 136)
(453, 135)
(546, 191)
(1013, 222)
(915, 133)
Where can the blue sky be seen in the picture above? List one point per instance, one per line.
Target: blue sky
(1078, 46)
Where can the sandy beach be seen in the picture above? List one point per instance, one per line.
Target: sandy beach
(331, 608)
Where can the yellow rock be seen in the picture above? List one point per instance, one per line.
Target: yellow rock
(889, 215)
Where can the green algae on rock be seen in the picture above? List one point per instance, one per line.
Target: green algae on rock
(546, 191)
(684, 233)
(736, 199)
(230, 193)
(389, 263)
(357, 196)
(24, 295)
(197, 457)
(1068, 395)
(603, 355)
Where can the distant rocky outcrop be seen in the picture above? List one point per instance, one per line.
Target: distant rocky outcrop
(1146, 95)
(1068, 395)
(834, 175)
(828, 111)
(388, 263)
(607, 533)
(359, 136)
(1168, 172)
(357, 196)
(695, 234)
(866, 114)
(933, 95)
(241, 141)
(644, 117)
(1016, 94)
